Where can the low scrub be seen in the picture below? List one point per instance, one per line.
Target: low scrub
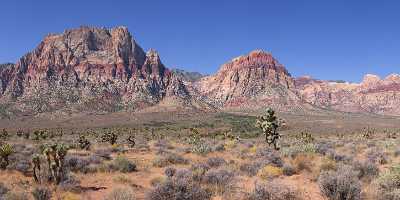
(342, 184)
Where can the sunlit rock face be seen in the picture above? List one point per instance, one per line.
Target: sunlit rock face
(88, 68)
(372, 95)
(251, 81)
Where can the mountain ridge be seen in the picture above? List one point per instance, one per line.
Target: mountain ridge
(105, 70)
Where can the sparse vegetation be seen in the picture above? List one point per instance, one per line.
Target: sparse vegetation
(199, 161)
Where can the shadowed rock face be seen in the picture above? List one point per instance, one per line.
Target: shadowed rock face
(88, 68)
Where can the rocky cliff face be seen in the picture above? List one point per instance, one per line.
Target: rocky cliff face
(251, 81)
(89, 68)
(372, 95)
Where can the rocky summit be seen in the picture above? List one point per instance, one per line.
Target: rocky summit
(104, 70)
(88, 69)
(251, 81)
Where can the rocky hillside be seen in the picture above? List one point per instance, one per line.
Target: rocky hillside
(251, 81)
(99, 69)
(372, 95)
(89, 69)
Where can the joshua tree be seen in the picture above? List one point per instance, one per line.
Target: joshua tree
(36, 167)
(83, 142)
(55, 156)
(269, 125)
(131, 141)
(5, 151)
(110, 137)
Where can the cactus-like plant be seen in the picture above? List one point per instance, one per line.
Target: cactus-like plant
(131, 141)
(5, 151)
(36, 167)
(305, 137)
(367, 133)
(40, 135)
(269, 125)
(83, 142)
(55, 156)
(4, 134)
(109, 137)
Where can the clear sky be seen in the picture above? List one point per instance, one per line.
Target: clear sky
(327, 39)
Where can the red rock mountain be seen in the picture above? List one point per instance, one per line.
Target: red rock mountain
(372, 95)
(251, 81)
(99, 69)
(88, 69)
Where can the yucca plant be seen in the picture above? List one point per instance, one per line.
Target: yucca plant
(5, 151)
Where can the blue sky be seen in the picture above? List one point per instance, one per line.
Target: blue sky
(332, 39)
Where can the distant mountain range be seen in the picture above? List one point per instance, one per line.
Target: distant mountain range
(104, 70)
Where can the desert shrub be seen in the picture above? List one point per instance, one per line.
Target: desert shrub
(198, 171)
(41, 193)
(303, 162)
(397, 152)
(3, 189)
(157, 180)
(323, 147)
(230, 144)
(169, 171)
(104, 153)
(269, 156)
(69, 183)
(169, 159)
(250, 169)
(366, 170)
(201, 148)
(123, 165)
(274, 190)
(221, 179)
(76, 163)
(332, 154)
(12, 195)
(269, 171)
(183, 174)
(389, 184)
(216, 161)
(23, 166)
(177, 189)
(218, 147)
(377, 156)
(124, 193)
(340, 184)
(288, 169)
(163, 144)
(327, 164)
